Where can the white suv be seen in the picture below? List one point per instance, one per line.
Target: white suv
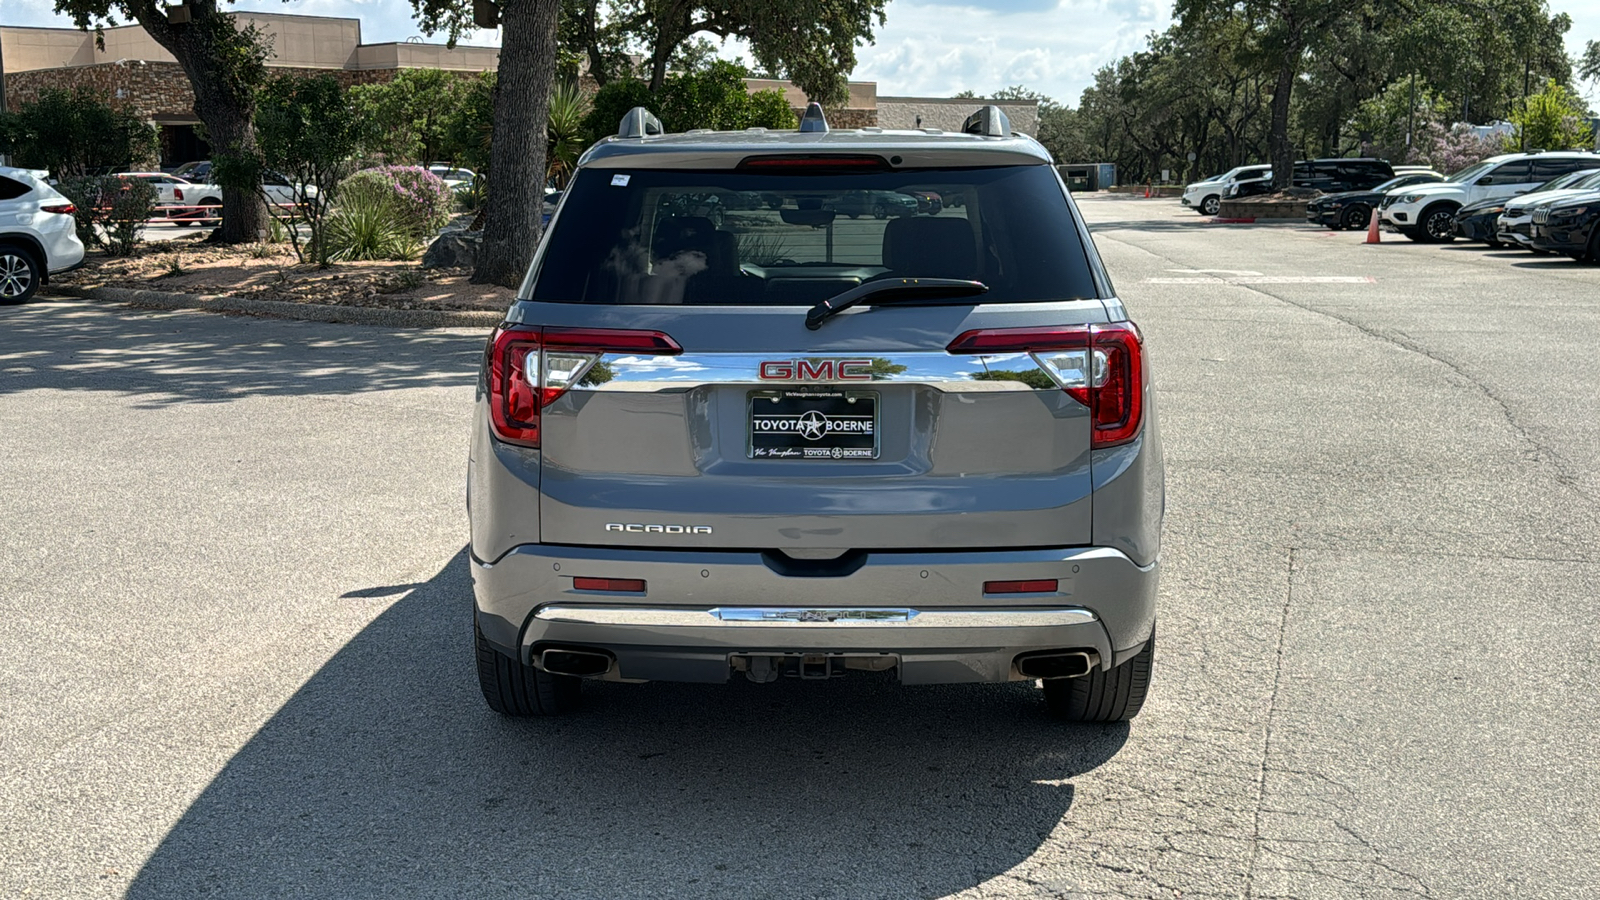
(1205, 197)
(37, 234)
(1427, 212)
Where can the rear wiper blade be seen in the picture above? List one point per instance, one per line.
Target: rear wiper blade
(893, 290)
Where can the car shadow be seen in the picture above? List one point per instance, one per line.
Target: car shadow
(385, 775)
(194, 357)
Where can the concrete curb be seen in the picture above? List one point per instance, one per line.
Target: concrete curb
(278, 309)
(1253, 220)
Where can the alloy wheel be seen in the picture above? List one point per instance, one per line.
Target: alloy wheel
(1440, 225)
(16, 275)
(1210, 205)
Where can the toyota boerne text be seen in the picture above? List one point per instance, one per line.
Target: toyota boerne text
(784, 442)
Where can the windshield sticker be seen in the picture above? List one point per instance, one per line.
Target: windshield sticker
(619, 180)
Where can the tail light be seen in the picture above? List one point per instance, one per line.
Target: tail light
(64, 209)
(177, 193)
(530, 367)
(1100, 366)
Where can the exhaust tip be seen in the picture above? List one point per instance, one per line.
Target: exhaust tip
(577, 663)
(1057, 663)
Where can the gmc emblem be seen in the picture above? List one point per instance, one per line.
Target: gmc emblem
(816, 370)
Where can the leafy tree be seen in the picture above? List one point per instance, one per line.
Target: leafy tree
(225, 65)
(715, 97)
(470, 125)
(74, 133)
(517, 146)
(1553, 119)
(811, 43)
(309, 130)
(412, 113)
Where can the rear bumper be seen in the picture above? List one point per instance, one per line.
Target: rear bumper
(925, 611)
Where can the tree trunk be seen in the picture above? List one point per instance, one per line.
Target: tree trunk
(1281, 151)
(224, 98)
(517, 151)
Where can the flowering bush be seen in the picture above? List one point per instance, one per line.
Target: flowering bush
(419, 200)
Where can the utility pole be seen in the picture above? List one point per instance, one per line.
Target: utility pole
(1411, 115)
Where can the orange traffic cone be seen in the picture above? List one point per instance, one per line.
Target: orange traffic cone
(1147, 190)
(1372, 228)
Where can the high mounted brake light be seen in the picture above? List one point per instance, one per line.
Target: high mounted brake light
(1100, 366)
(818, 163)
(530, 367)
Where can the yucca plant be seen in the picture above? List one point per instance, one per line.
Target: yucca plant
(564, 132)
(365, 226)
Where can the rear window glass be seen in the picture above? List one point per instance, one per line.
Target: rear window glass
(652, 236)
(11, 189)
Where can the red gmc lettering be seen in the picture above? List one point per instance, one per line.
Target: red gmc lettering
(820, 370)
(816, 370)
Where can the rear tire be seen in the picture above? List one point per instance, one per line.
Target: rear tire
(514, 689)
(20, 274)
(1101, 696)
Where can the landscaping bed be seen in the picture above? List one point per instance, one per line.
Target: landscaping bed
(270, 272)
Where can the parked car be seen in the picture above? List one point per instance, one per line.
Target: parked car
(174, 195)
(200, 193)
(694, 459)
(454, 178)
(1427, 213)
(1480, 221)
(1330, 176)
(38, 237)
(1205, 196)
(878, 204)
(1570, 226)
(1352, 209)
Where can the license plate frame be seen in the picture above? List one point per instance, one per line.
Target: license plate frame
(782, 424)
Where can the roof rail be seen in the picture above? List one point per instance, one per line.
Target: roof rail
(989, 120)
(638, 123)
(813, 122)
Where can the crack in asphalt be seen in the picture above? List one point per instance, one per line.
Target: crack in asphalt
(1543, 452)
(1266, 742)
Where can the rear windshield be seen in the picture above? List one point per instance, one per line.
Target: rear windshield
(652, 236)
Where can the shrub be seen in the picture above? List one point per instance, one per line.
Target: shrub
(87, 210)
(420, 201)
(133, 202)
(366, 225)
(110, 212)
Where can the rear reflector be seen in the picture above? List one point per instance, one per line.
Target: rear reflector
(614, 585)
(529, 368)
(1020, 587)
(1100, 366)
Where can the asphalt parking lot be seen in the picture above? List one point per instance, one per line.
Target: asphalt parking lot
(235, 635)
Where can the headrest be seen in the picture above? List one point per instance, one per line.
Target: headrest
(931, 247)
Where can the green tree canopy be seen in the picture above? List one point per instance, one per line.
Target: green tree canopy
(74, 133)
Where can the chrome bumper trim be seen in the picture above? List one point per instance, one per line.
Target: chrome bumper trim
(814, 617)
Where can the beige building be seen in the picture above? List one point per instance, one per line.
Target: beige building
(134, 70)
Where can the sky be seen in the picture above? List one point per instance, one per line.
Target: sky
(927, 47)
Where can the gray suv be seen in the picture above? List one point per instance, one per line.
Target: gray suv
(792, 444)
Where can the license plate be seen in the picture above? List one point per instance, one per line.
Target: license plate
(813, 424)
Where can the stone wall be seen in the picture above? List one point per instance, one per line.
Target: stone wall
(905, 112)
